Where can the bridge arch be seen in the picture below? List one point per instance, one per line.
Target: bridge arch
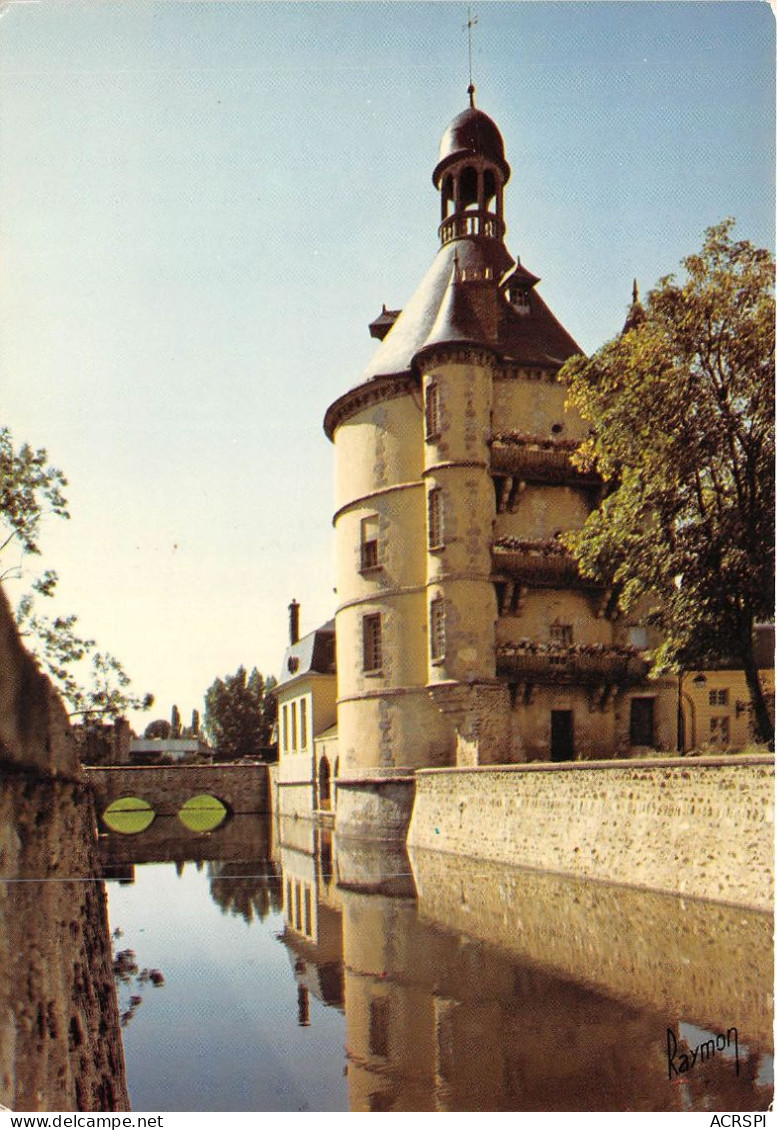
(241, 788)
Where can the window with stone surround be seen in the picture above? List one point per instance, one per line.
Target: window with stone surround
(637, 637)
(432, 411)
(372, 643)
(437, 629)
(435, 514)
(303, 723)
(561, 635)
(369, 543)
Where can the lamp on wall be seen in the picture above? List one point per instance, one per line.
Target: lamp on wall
(699, 680)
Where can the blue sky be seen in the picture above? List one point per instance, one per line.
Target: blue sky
(204, 204)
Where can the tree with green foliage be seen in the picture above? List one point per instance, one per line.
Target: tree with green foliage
(175, 722)
(681, 408)
(158, 729)
(238, 713)
(30, 490)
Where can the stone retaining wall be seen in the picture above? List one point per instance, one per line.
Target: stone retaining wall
(34, 728)
(701, 827)
(60, 1039)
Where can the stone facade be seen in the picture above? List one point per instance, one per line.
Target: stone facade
(307, 716)
(717, 712)
(702, 827)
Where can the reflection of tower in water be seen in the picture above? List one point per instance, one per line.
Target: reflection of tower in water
(439, 1022)
(311, 911)
(439, 1019)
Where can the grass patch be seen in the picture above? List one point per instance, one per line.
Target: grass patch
(128, 815)
(202, 813)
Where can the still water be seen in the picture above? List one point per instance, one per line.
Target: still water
(299, 974)
(222, 1033)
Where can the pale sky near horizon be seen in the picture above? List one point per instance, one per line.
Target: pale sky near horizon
(205, 204)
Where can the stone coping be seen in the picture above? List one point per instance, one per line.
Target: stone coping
(373, 782)
(631, 763)
(189, 766)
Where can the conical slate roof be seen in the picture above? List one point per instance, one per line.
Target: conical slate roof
(456, 319)
(534, 337)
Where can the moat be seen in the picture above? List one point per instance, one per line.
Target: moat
(303, 975)
(262, 968)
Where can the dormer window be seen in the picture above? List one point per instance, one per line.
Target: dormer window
(519, 296)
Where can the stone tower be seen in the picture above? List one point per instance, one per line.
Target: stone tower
(464, 632)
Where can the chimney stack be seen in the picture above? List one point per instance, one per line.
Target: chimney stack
(293, 622)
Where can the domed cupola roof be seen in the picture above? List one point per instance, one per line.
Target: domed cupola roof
(472, 133)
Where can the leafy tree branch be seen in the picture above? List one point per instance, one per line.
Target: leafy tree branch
(682, 412)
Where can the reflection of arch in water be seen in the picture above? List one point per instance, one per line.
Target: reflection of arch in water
(203, 813)
(128, 815)
(324, 783)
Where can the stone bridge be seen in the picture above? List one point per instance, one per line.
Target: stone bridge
(242, 788)
(237, 840)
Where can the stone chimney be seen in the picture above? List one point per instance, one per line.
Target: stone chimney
(293, 622)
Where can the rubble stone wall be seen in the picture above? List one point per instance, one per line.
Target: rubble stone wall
(702, 827)
(60, 1036)
(34, 727)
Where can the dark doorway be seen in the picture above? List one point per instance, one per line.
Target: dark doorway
(641, 721)
(562, 736)
(324, 787)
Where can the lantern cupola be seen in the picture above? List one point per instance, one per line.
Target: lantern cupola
(470, 175)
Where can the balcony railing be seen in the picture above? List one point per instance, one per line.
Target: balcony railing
(471, 223)
(587, 664)
(539, 461)
(542, 563)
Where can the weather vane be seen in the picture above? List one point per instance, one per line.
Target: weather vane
(471, 21)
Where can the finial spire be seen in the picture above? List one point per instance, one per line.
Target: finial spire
(471, 21)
